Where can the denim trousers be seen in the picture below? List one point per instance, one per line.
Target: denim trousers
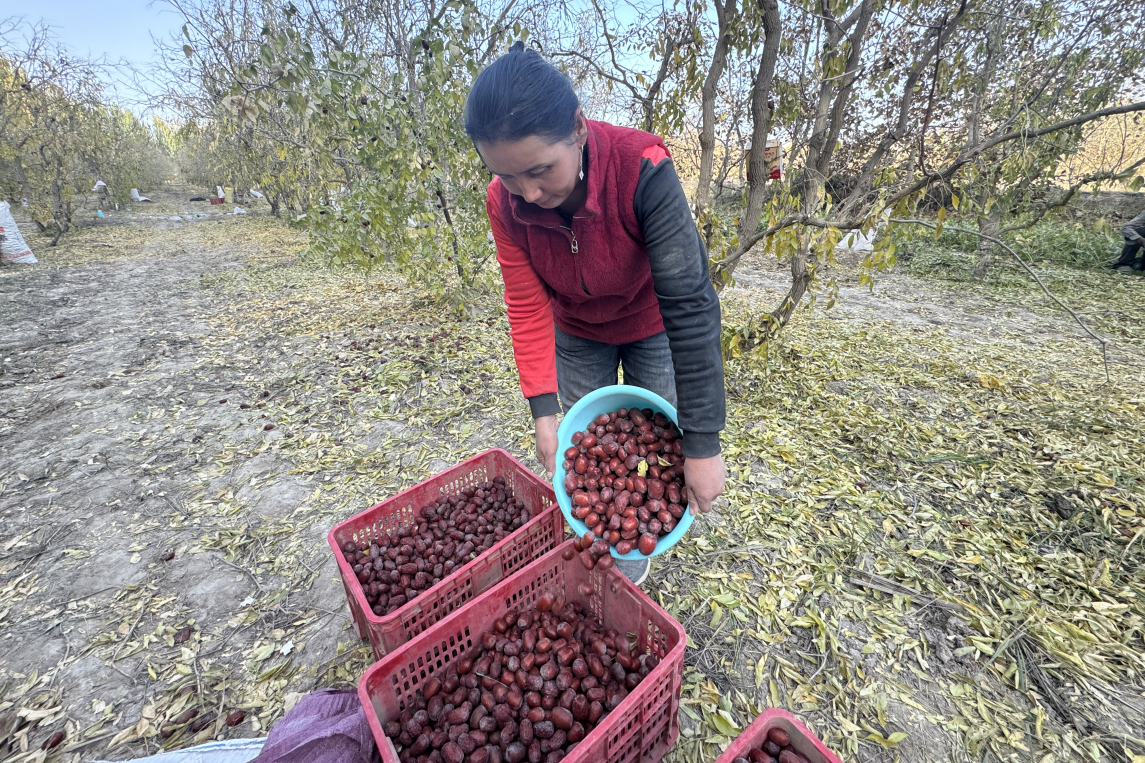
(1128, 257)
(584, 365)
(1131, 249)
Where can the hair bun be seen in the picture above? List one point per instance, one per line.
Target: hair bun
(518, 95)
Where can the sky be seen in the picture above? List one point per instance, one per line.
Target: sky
(121, 29)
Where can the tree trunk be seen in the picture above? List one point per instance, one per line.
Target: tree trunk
(22, 176)
(828, 123)
(708, 105)
(974, 129)
(802, 270)
(988, 225)
(466, 279)
(721, 272)
(61, 211)
(761, 119)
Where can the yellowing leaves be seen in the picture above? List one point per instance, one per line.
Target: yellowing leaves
(1107, 608)
(723, 723)
(888, 741)
(759, 672)
(989, 381)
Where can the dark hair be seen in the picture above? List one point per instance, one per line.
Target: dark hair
(518, 95)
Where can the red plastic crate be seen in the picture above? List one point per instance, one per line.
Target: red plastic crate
(543, 532)
(640, 730)
(804, 742)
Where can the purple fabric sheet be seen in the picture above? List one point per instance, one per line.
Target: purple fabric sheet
(326, 726)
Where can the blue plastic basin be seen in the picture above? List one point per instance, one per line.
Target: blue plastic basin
(607, 400)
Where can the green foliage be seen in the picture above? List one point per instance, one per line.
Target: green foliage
(59, 135)
(364, 145)
(419, 198)
(1069, 244)
(952, 255)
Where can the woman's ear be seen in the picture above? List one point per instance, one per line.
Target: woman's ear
(580, 129)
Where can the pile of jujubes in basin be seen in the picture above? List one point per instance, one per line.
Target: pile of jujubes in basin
(625, 477)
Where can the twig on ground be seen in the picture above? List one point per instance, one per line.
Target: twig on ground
(886, 585)
(245, 571)
(127, 637)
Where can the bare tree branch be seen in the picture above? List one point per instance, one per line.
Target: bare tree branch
(973, 152)
(1066, 197)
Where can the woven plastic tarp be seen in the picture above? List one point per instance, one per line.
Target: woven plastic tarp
(227, 751)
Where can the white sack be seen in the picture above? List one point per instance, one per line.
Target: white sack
(13, 249)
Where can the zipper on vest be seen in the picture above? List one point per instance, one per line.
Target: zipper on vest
(576, 249)
(574, 244)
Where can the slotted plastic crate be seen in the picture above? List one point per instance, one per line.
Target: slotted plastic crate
(543, 532)
(805, 743)
(640, 730)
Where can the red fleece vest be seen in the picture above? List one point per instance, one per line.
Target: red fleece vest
(604, 290)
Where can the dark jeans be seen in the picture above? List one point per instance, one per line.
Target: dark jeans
(584, 365)
(1129, 253)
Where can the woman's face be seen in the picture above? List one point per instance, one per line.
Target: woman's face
(541, 173)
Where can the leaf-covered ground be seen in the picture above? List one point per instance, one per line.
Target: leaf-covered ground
(930, 547)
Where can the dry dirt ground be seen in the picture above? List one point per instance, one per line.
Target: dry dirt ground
(179, 434)
(130, 442)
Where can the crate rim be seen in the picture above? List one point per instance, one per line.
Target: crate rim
(761, 721)
(347, 571)
(657, 674)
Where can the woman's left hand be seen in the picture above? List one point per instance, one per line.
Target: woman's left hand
(704, 478)
(547, 443)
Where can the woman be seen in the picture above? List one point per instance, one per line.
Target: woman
(603, 266)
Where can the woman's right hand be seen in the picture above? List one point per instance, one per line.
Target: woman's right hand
(547, 442)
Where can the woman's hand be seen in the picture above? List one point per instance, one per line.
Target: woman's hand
(704, 478)
(547, 444)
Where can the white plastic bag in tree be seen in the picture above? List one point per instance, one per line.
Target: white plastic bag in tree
(856, 241)
(12, 246)
(256, 194)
